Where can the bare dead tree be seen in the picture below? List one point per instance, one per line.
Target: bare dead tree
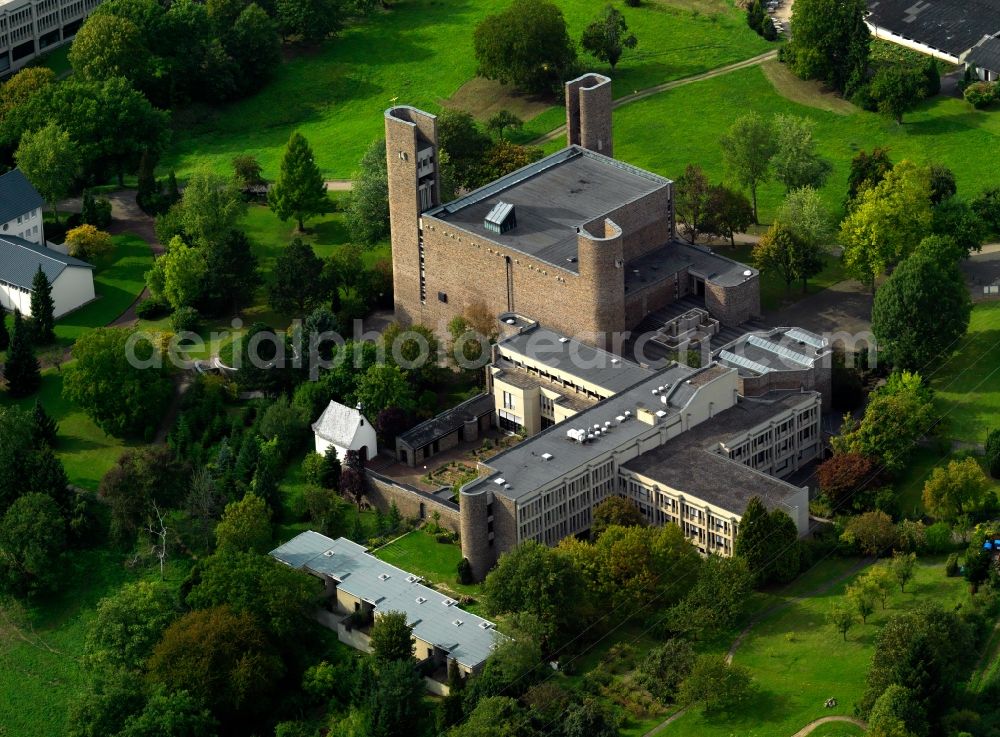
(159, 549)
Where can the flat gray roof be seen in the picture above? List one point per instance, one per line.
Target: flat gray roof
(689, 462)
(569, 356)
(525, 470)
(551, 198)
(667, 260)
(435, 618)
(448, 421)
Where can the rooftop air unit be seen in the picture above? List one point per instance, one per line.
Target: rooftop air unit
(546, 456)
(501, 219)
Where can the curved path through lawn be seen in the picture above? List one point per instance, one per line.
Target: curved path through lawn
(826, 720)
(344, 185)
(757, 619)
(656, 89)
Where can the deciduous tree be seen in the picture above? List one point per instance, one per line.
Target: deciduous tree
(921, 312)
(887, 221)
(128, 625)
(901, 566)
(392, 638)
(120, 380)
(368, 206)
(526, 45)
(717, 685)
(615, 510)
(780, 250)
(830, 42)
(796, 162)
(747, 149)
(896, 90)
(873, 532)
(32, 541)
(692, 194)
(50, 161)
(842, 616)
(956, 489)
(88, 243)
(245, 525)
(607, 37)
(729, 212)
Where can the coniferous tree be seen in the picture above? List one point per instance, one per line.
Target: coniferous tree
(42, 309)
(45, 428)
(147, 194)
(751, 540)
(300, 190)
(173, 191)
(4, 335)
(21, 370)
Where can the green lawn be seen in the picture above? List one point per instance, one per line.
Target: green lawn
(968, 384)
(57, 60)
(420, 553)
(40, 647)
(837, 729)
(798, 660)
(665, 132)
(773, 291)
(119, 279)
(419, 53)
(84, 449)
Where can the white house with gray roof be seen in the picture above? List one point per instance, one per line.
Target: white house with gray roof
(345, 428)
(20, 208)
(360, 588)
(72, 280)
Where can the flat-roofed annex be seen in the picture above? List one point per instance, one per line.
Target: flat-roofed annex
(552, 198)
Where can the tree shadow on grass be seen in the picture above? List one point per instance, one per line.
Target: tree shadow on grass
(762, 707)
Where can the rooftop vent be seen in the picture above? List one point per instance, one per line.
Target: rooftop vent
(501, 219)
(510, 321)
(383, 577)
(499, 481)
(485, 625)
(448, 602)
(616, 360)
(421, 600)
(328, 553)
(564, 339)
(546, 456)
(412, 579)
(457, 622)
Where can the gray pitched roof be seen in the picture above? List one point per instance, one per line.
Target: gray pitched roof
(435, 618)
(953, 26)
(338, 424)
(21, 259)
(17, 196)
(986, 54)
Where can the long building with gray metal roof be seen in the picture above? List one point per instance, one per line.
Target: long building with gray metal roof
(361, 587)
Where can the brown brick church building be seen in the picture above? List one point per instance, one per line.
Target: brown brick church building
(578, 239)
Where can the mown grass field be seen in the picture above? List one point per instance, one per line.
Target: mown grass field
(420, 553)
(667, 131)
(84, 449)
(119, 279)
(420, 53)
(798, 660)
(968, 383)
(40, 646)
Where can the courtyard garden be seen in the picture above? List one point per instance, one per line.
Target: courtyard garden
(436, 561)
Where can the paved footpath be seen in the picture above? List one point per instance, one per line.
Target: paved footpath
(822, 588)
(656, 89)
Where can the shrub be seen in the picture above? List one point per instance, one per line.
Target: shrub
(312, 468)
(938, 538)
(981, 94)
(993, 453)
(185, 319)
(464, 572)
(152, 308)
(951, 567)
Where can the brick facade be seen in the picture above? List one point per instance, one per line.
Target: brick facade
(411, 502)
